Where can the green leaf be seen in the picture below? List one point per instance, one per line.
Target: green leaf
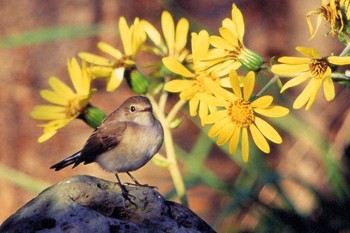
(48, 35)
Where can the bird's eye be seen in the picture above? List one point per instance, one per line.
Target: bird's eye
(132, 108)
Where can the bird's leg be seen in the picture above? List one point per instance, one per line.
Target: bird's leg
(136, 183)
(133, 179)
(125, 192)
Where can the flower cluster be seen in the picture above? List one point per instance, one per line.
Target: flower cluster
(232, 114)
(335, 12)
(216, 76)
(314, 68)
(67, 103)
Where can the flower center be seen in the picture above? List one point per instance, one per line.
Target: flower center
(333, 15)
(125, 61)
(237, 52)
(318, 67)
(74, 107)
(241, 113)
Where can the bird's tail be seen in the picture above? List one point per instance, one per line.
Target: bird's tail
(74, 159)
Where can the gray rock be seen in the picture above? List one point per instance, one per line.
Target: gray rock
(88, 204)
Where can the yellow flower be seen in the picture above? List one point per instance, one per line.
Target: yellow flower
(67, 104)
(230, 52)
(239, 118)
(332, 11)
(313, 67)
(114, 70)
(193, 84)
(175, 38)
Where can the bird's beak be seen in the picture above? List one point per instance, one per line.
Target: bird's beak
(147, 109)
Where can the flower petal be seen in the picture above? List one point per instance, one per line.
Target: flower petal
(138, 37)
(272, 111)
(328, 89)
(215, 116)
(304, 97)
(339, 60)
(234, 140)
(48, 112)
(221, 43)
(75, 74)
(47, 116)
(268, 131)
(212, 100)
(285, 69)
(94, 59)
(46, 136)
(178, 85)
(228, 35)
(154, 35)
(262, 102)
(309, 52)
(259, 139)
(248, 85)
(125, 35)
(101, 71)
(168, 29)
(115, 79)
(51, 128)
(173, 65)
(225, 134)
(181, 34)
(295, 81)
(245, 145)
(294, 60)
(217, 127)
(237, 19)
(54, 97)
(203, 110)
(193, 105)
(200, 46)
(217, 90)
(314, 90)
(60, 87)
(49, 109)
(188, 93)
(235, 84)
(104, 47)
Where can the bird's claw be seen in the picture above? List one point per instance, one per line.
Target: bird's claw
(127, 195)
(142, 185)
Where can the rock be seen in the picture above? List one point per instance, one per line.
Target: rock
(88, 204)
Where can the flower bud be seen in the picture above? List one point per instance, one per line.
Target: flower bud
(137, 81)
(250, 59)
(92, 116)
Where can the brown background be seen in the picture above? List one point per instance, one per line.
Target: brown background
(272, 28)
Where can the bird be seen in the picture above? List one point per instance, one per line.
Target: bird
(125, 140)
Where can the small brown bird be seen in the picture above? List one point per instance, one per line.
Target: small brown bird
(125, 141)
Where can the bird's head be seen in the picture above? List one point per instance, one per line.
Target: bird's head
(138, 109)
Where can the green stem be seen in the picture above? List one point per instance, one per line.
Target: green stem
(267, 86)
(22, 179)
(163, 97)
(162, 101)
(345, 50)
(173, 112)
(340, 77)
(170, 153)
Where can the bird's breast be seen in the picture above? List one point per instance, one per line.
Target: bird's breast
(136, 148)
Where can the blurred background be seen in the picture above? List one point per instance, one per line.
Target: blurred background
(303, 182)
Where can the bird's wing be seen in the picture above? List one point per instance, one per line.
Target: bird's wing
(102, 139)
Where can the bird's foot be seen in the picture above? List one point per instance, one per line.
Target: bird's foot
(127, 196)
(137, 184)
